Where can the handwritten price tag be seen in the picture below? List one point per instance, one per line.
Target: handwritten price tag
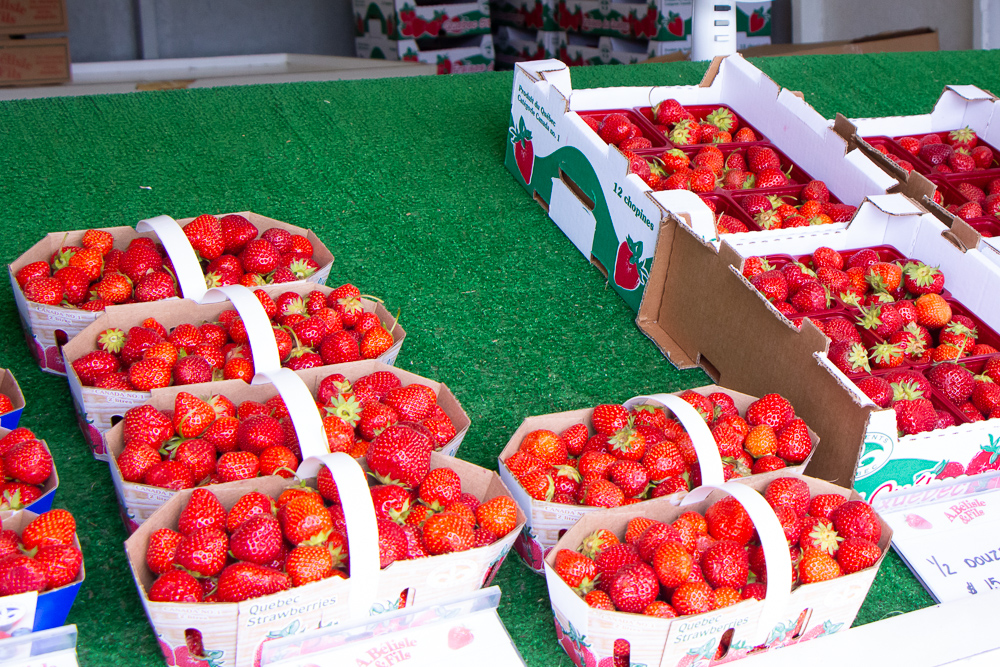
(953, 547)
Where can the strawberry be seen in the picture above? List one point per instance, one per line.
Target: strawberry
(856, 554)
(578, 571)
(45, 290)
(727, 520)
(692, 598)
(601, 493)
(146, 425)
(137, 261)
(791, 492)
(771, 409)
(259, 256)
(375, 342)
(60, 563)
(983, 157)
(956, 382)
(28, 462)
(876, 388)
(771, 178)
(725, 563)
(192, 415)
(40, 269)
(91, 366)
(249, 505)
(55, 527)
(615, 128)
(20, 574)
(985, 396)
(933, 311)
(399, 455)
(446, 532)
(818, 565)
(161, 549)
(169, 474)
(608, 419)
(237, 231)
(856, 518)
(633, 588)
(205, 235)
(962, 138)
(258, 539)
(773, 285)
(236, 465)
(155, 286)
(242, 581)
(886, 355)
(202, 511)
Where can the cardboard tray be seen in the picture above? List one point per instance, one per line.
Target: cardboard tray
(588, 635)
(12, 390)
(742, 341)
(233, 632)
(97, 410)
(43, 503)
(547, 521)
(612, 216)
(53, 606)
(139, 502)
(959, 106)
(48, 328)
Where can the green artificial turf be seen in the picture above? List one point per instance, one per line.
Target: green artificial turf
(403, 179)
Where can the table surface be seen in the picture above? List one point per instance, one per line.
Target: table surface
(404, 181)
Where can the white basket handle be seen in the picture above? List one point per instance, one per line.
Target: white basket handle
(701, 437)
(255, 321)
(190, 277)
(772, 538)
(302, 410)
(362, 527)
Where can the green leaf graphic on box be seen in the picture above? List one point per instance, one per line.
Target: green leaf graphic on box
(477, 60)
(373, 12)
(904, 472)
(377, 54)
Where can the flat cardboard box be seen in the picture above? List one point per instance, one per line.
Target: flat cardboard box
(236, 630)
(34, 62)
(12, 390)
(48, 328)
(98, 410)
(588, 635)
(139, 502)
(547, 521)
(53, 606)
(742, 341)
(24, 17)
(462, 56)
(404, 19)
(921, 39)
(666, 20)
(612, 216)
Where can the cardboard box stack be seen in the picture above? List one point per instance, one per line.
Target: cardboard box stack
(454, 36)
(34, 48)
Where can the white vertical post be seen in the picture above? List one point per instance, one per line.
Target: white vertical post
(713, 29)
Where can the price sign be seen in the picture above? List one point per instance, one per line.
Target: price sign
(952, 546)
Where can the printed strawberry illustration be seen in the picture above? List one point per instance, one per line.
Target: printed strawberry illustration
(757, 20)
(917, 521)
(443, 65)
(524, 153)
(631, 270)
(459, 636)
(675, 24)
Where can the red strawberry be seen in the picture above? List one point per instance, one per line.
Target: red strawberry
(633, 587)
(28, 462)
(771, 409)
(399, 455)
(161, 550)
(856, 518)
(856, 554)
(791, 492)
(727, 520)
(725, 563)
(205, 235)
(243, 581)
(20, 574)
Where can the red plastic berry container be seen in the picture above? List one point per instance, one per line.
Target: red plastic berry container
(655, 137)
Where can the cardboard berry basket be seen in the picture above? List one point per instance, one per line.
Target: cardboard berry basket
(43, 503)
(51, 607)
(47, 328)
(12, 390)
(784, 617)
(233, 633)
(138, 502)
(547, 521)
(767, 352)
(98, 409)
(611, 215)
